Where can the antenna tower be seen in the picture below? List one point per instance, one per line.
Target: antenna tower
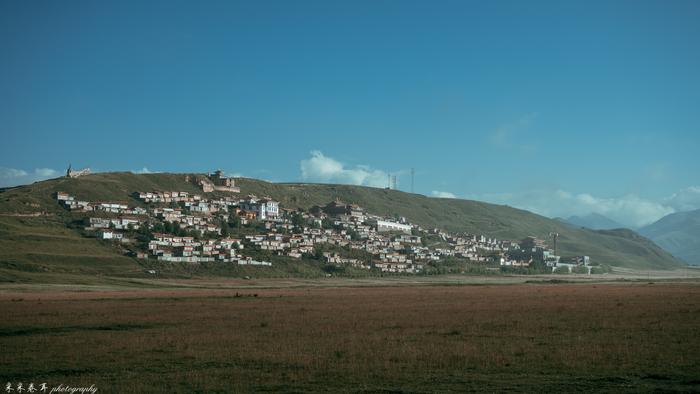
(413, 173)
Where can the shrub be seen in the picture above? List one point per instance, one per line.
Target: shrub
(562, 270)
(579, 269)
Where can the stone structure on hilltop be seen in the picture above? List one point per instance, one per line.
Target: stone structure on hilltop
(218, 182)
(71, 173)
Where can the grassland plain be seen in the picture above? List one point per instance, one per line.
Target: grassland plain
(622, 337)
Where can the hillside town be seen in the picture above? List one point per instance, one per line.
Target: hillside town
(178, 226)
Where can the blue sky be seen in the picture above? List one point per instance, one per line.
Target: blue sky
(559, 107)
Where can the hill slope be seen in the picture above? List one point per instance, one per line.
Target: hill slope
(678, 233)
(594, 221)
(615, 247)
(622, 247)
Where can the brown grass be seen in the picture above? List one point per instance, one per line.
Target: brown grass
(583, 337)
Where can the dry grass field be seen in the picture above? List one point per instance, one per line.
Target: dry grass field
(636, 337)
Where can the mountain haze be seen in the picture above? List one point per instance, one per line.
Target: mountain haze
(678, 233)
(594, 221)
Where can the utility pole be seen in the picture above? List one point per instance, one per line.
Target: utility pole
(554, 237)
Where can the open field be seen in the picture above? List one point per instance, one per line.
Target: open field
(627, 337)
(112, 286)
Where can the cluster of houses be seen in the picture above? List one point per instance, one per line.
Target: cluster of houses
(84, 206)
(392, 245)
(166, 247)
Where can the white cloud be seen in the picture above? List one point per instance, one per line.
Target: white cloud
(45, 172)
(9, 173)
(437, 193)
(658, 171)
(629, 210)
(14, 176)
(511, 135)
(687, 199)
(144, 170)
(321, 168)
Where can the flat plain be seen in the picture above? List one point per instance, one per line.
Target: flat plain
(547, 337)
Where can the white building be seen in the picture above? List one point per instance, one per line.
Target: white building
(384, 226)
(264, 208)
(107, 234)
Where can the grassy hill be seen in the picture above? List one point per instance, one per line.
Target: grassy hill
(593, 221)
(622, 247)
(678, 233)
(42, 244)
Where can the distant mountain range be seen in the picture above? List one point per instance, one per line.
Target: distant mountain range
(594, 221)
(678, 233)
